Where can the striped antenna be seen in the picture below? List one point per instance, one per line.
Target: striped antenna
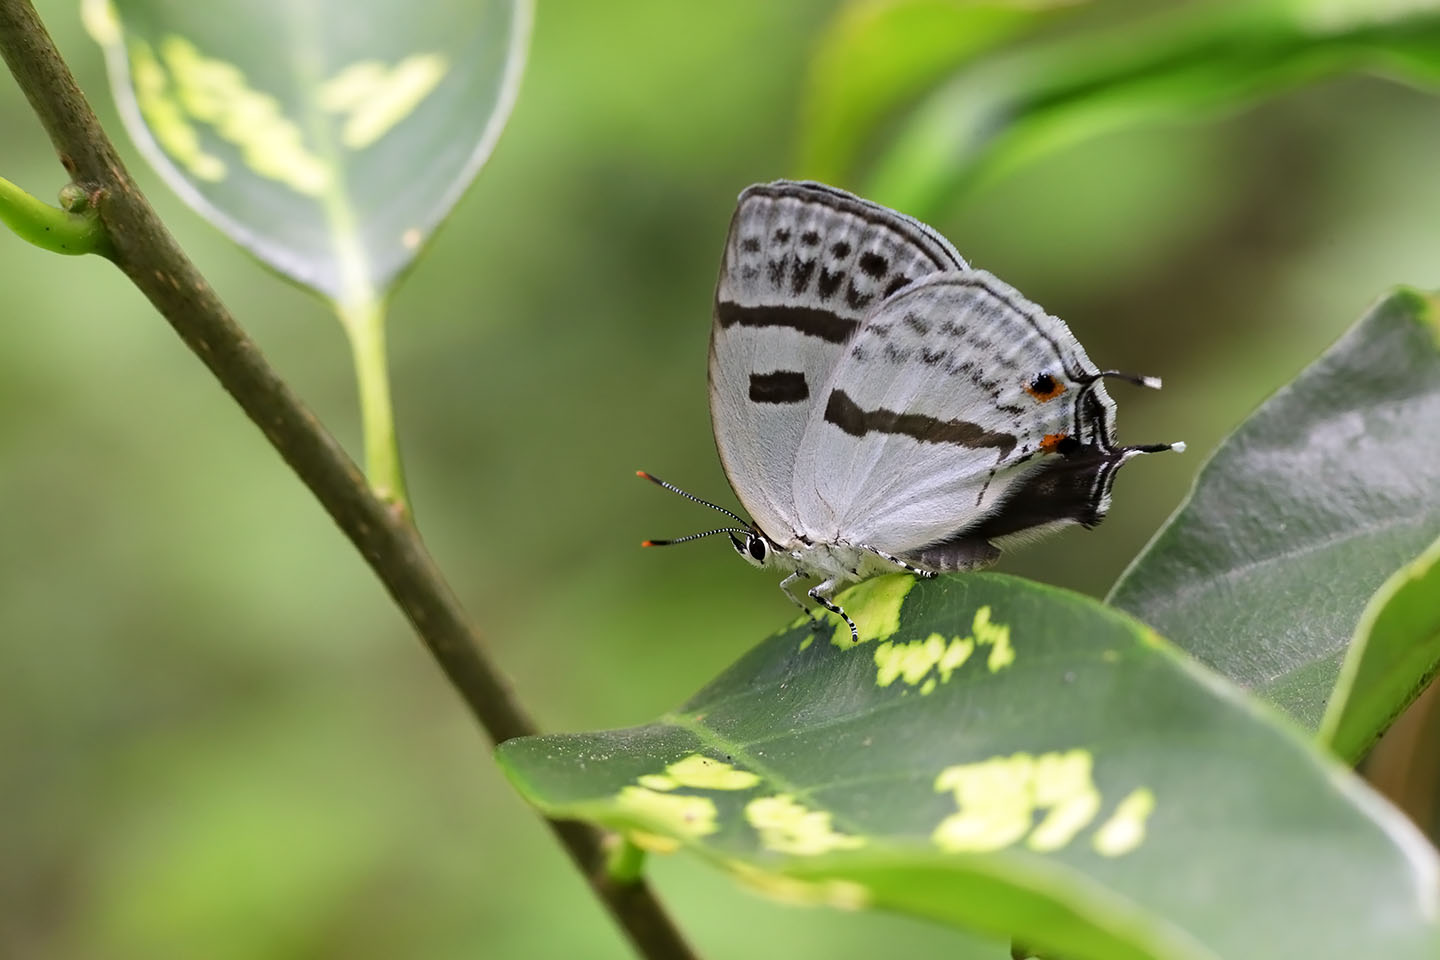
(690, 496)
(693, 536)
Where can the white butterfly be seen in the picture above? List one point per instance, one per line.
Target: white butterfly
(878, 404)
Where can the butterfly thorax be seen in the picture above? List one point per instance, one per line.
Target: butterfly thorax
(838, 561)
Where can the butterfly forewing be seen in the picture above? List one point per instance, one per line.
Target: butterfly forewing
(804, 264)
(953, 396)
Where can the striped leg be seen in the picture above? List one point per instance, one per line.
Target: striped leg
(909, 568)
(785, 589)
(815, 594)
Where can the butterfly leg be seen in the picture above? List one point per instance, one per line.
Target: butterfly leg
(785, 589)
(815, 593)
(908, 568)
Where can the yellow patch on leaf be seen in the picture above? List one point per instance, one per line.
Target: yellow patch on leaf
(998, 799)
(668, 813)
(786, 826)
(1125, 829)
(874, 605)
(216, 92)
(373, 98)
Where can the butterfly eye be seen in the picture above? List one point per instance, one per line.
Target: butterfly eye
(1044, 387)
(756, 546)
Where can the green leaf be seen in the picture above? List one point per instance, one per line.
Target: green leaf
(1394, 656)
(328, 138)
(1177, 64)
(1302, 513)
(876, 56)
(1016, 759)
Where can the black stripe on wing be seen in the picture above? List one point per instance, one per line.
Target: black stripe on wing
(780, 386)
(846, 414)
(811, 321)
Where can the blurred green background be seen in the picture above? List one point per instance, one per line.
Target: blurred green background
(217, 737)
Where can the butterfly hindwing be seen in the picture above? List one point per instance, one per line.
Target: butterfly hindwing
(804, 264)
(959, 412)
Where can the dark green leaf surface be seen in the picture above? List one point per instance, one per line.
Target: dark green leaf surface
(1395, 653)
(1302, 513)
(1184, 62)
(1018, 760)
(329, 138)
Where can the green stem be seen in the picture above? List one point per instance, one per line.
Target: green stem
(51, 228)
(364, 323)
(626, 862)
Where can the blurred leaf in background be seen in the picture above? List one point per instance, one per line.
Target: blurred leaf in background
(1176, 63)
(180, 626)
(875, 57)
(329, 139)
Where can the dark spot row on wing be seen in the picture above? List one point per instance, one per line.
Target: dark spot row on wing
(844, 413)
(911, 231)
(810, 321)
(779, 386)
(952, 347)
(916, 234)
(777, 271)
(956, 361)
(855, 298)
(864, 277)
(917, 323)
(802, 270)
(800, 276)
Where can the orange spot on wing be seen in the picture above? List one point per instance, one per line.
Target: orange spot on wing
(1052, 441)
(1044, 388)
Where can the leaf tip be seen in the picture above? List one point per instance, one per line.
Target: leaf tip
(1424, 305)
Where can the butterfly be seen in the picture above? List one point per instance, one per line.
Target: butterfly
(880, 405)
